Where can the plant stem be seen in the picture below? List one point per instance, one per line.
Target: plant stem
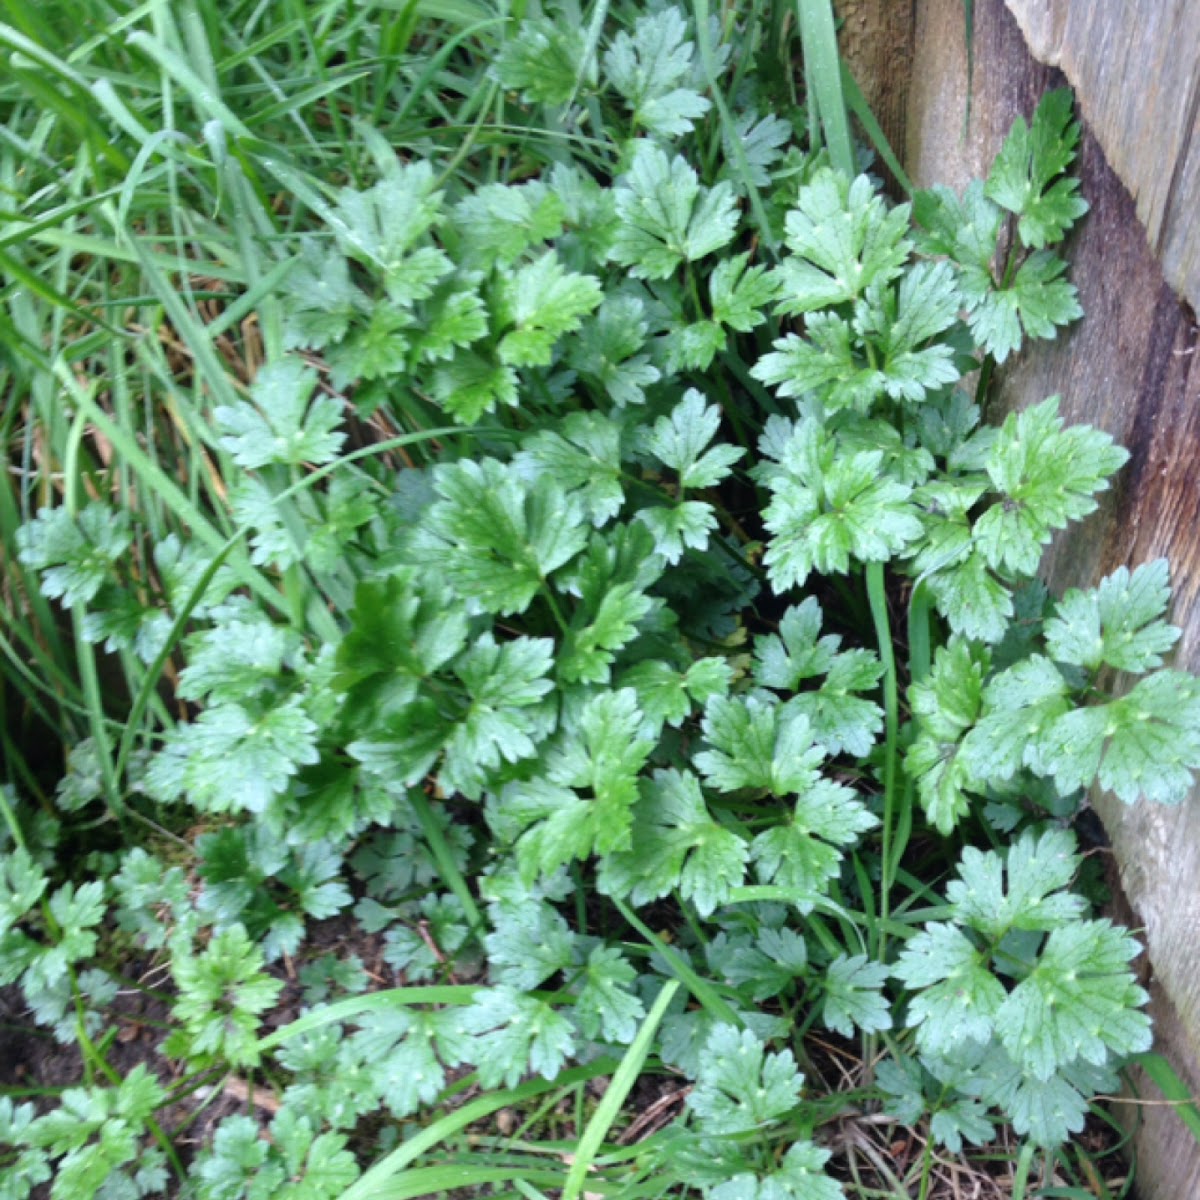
(926, 1168)
(877, 596)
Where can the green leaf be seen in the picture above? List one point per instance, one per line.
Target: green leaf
(829, 507)
(504, 684)
(802, 854)
(903, 324)
(945, 705)
(222, 993)
(537, 305)
(1027, 176)
(1045, 1111)
(959, 997)
(516, 1034)
(611, 584)
(236, 1156)
(77, 910)
(763, 142)
(502, 535)
(455, 318)
(347, 508)
(665, 217)
(584, 454)
(321, 301)
(675, 843)
(667, 696)
(796, 653)
(542, 61)
(650, 70)
(601, 756)
(965, 230)
(238, 658)
(841, 720)
(589, 654)
(404, 746)
(470, 385)
(315, 1166)
(974, 602)
(1037, 869)
(74, 556)
(499, 222)
(380, 226)
(740, 1087)
(826, 363)
(844, 238)
(375, 350)
(402, 628)
(606, 1006)
(853, 998)
(409, 1051)
(1080, 1001)
(527, 945)
(232, 759)
(1020, 709)
(692, 347)
(962, 1119)
(1118, 624)
(679, 441)
(22, 883)
(606, 350)
(738, 294)
(687, 524)
(902, 1082)
(253, 505)
(801, 1176)
(281, 426)
(764, 967)
(1048, 476)
(405, 949)
(1146, 743)
(759, 744)
(1035, 303)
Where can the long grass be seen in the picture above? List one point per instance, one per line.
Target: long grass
(157, 163)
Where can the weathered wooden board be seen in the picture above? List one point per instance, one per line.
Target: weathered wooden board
(1131, 368)
(1136, 70)
(875, 39)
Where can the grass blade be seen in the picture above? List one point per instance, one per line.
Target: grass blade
(374, 1184)
(704, 991)
(856, 102)
(352, 1006)
(822, 68)
(622, 1083)
(1167, 1080)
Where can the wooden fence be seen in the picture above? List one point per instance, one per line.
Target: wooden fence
(1130, 367)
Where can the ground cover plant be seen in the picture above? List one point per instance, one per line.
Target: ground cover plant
(555, 692)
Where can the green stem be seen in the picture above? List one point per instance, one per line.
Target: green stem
(920, 615)
(822, 69)
(556, 610)
(877, 596)
(926, 1168)
(442, 855)
(1021, 1175)
(10, 819)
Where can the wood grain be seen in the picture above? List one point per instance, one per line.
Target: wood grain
(1131, 368)
(1136, 69)
(876, 40)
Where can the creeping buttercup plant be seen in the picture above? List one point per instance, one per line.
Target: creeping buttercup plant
(556, 646)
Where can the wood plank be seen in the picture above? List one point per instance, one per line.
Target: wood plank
(876, 39)
(1131, 368)
(1136, 71)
